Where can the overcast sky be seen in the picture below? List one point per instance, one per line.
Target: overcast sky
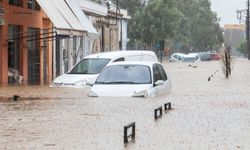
(226, 10)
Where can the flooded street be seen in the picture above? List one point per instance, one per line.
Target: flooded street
(206, 114)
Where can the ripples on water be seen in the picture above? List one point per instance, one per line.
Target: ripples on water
(206, 115)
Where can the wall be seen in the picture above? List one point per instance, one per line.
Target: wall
(24, 17)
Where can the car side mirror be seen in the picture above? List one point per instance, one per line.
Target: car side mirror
(159, 82)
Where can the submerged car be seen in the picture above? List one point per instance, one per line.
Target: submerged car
(177, 57)
(131, 79)
(88, 69)
(191, 57)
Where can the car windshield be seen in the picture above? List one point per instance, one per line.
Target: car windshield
(125, 74)
(90, 66)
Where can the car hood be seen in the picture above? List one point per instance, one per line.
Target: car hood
(72, 79)
(124, 90)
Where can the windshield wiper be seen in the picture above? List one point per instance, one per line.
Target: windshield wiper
(102, 82)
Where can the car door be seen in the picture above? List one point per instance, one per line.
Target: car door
(161, 82)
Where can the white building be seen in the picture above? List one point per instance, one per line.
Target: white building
(82, 27)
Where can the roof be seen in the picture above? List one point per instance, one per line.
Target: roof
(54, 14)
(180, 54)
(66, 15)
(115, 54)
(92, 7)
(81, 17)
(192, 55)
(145, 63)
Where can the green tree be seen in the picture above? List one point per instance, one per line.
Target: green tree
(183, 24)
(201, 29)
(242, 47)
(159, 20)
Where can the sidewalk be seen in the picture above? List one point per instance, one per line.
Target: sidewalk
(41, 92)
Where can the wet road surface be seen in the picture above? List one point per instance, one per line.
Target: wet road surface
(206, 114)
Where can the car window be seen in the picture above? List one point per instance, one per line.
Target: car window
(119, 59)
(162, 72)
(156, 73)
(125, 74)
(188, 59)
(159, 73)
(90, 66)
(179, 58)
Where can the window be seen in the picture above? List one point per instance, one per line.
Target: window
(16, 2)
(162, 73)
(125, 74)
(32, 4)
(119, 59)
(33, 46)
(13, 52)
(90, 66)
(159, 73)
(156, 74)
(13, 46)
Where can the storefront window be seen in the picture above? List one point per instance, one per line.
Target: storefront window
(33, 56)
(32, 4)
(16, 2)
(13, 53)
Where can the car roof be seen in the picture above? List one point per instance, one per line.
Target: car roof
(180, 54)
(115, 54)
(192, 55)
(146, 63)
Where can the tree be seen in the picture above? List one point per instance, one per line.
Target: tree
(202, 29)
(183, 24)
(160, 20)
(242, 47)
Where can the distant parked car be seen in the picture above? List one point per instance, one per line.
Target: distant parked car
(131, 79)
(90, 66)
(177, 57)
(214, 56)
(204, 56)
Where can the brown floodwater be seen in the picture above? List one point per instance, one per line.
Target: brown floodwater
(206, 114)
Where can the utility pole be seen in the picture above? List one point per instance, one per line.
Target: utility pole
(247, 30)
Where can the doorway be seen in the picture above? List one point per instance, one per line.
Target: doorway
(13, 53)
(33, 44)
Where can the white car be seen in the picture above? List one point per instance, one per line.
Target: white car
(88, 69)
(181, 57)
(191, 57)
(177, 57)
(136, 79)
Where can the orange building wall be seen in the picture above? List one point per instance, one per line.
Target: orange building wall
(24, 17)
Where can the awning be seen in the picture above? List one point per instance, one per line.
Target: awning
(92, 7)
(86, 23)
(53, 13)
(62, 17)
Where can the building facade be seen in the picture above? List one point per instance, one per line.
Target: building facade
(25, 53)
(42, 39)
(110, 23)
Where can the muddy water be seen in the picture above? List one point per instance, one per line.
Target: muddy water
(211, 114)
